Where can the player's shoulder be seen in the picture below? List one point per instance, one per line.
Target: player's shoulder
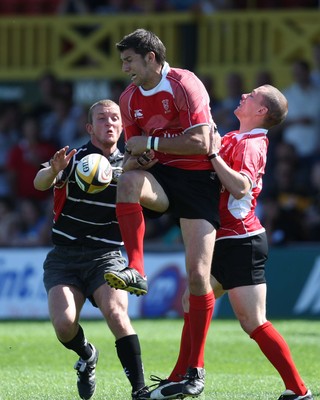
(83, 150)
(181, 75)
(128, 92)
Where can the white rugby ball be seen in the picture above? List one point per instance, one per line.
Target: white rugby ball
(93, 173)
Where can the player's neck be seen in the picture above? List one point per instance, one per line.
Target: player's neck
(249, 127)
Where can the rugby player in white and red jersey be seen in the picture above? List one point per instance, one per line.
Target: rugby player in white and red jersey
(241, 248)
(167, 110)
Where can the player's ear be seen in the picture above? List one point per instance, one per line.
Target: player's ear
(150, 56)
(89, 128)
(263, 110)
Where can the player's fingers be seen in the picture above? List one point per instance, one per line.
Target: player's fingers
(143, 160)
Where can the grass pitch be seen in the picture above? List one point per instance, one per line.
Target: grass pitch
(35, 366)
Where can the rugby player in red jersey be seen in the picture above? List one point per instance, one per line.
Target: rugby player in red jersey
(167, 110)
(241, 248)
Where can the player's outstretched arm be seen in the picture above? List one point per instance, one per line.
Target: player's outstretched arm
(46, 177)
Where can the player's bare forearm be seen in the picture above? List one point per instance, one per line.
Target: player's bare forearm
(193, 141)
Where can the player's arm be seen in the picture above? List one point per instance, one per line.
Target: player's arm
(236, 183)
(144, 161)
(194, 141)
(46, 177)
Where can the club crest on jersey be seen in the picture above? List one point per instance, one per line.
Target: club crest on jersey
(138, 114)
(165, 104)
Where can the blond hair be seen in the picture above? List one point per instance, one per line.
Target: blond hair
(106, 102)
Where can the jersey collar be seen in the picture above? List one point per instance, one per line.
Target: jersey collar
(256, 132)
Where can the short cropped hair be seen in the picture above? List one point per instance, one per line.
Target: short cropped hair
(107, 103)
(276, 104)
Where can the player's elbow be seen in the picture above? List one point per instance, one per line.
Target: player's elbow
(238, 195)
(39, 185)
(239, 191)
(199, 145)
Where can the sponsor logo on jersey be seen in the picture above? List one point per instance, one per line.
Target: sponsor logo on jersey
(138, 114)
(166, 106)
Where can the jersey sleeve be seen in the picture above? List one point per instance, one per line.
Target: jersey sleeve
(249, 157)
(129, 126)
(192, 101)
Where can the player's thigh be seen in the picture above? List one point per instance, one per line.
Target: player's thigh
(65, 304)
(153, 195)
(142, 186)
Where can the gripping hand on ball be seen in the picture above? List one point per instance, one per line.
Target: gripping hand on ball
(144, 161)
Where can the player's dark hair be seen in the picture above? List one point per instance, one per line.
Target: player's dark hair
(142, 42)
(277, 106)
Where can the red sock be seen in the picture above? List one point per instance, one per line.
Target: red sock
(182, 363)
(275, 348)
(200, 315)
(132, 227)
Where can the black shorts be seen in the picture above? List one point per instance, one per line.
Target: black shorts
(80, 266)
(240, 262)
(192, 194)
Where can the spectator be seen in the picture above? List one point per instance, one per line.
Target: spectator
(34, 227)
(312, 216)
(47, 89)
(315, 73)
(10, 115)
(61, 124)
(9, 221)
(302, 126)
(24, 159)
(284, 205)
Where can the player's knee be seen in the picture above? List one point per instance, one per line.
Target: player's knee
(65, 328)
(115, 315)
(197, 280)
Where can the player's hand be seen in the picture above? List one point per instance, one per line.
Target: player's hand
(137, 145)
(61, 159)
(144, 161)
(215, 139)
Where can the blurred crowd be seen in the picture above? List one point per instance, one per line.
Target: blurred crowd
(289, 205)
(61, 7)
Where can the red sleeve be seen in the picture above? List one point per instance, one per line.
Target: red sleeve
(192, 101)
(249, 157)
(129, 126)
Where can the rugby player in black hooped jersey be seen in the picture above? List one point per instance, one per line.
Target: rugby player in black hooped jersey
(87, 241)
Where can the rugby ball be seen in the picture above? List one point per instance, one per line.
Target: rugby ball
(93, 173)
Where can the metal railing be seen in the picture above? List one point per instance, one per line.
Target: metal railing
(76, 47)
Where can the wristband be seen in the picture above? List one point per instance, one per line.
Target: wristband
(149, 143)
(156, 144)
(213, 155)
